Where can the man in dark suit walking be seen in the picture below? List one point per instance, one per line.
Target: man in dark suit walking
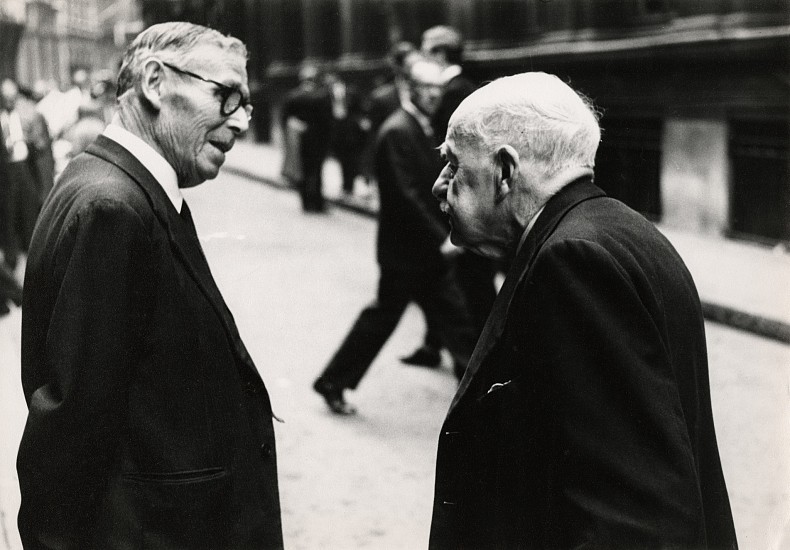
(149, 425)
(584, 417)
(411, 232)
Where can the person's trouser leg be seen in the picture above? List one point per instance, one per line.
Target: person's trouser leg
(369, 333)
(443, 302)
(8, 202)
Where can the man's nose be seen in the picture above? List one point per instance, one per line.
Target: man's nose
(439, 188)
(238, 121)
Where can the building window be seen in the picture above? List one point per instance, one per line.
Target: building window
(760, 201)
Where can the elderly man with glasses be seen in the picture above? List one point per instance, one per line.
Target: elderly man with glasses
(149, 425)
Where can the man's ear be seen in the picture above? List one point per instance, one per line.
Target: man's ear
(507, 162)
(151, 83)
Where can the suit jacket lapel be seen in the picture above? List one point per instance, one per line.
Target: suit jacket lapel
(183, 242)
(556, 208)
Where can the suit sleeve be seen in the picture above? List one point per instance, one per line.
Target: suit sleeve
(398, 156)
(624, 467)
(77, 407)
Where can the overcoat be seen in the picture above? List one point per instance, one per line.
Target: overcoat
(584, 418)
(149, 425)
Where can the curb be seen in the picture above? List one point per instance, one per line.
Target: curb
(717, 313)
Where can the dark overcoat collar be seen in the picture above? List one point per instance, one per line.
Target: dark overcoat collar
(183, 242)
(556, 208)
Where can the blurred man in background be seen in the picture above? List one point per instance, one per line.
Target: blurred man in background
(28, 170)
(411, 232)
(307, 122)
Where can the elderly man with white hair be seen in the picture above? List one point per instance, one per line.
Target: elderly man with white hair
(584, 417)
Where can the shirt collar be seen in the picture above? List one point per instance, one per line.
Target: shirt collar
(422, 118)
(153, 161)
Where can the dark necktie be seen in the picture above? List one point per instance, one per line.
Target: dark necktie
(186, 215)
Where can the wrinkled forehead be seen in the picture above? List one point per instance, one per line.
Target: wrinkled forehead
(459, 144)
(215, 58)
(225, 66)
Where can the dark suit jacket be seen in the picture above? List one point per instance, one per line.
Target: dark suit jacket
(455, 91)
(584, 418)
(411, 225)
(382, 102)
(148, 425)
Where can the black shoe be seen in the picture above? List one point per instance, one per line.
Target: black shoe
(423, 356)
(4, 308)
(333, 397)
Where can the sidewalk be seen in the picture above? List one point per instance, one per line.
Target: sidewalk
(741, 285)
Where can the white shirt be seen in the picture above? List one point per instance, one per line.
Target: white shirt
(148, 157)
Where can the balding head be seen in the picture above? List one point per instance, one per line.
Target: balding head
(510, 147)
(544, 119)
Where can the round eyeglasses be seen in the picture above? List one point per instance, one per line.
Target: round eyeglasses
(231, 96)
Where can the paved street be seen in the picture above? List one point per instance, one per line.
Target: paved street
(295, 283)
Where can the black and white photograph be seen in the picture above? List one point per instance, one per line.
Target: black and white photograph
(394, 274)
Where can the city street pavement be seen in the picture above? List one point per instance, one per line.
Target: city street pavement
(296, 282)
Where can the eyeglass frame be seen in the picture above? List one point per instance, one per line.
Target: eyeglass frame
(225, 92)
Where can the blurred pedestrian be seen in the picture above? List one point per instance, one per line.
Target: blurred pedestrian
(584, 417)
(307, 122)
(10, 290)
(411, 231)
(348, 129)
(27, 170)
(148, 422)
(384, 100)
(444, 45)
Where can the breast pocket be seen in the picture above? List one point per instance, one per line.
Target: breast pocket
(185, 509)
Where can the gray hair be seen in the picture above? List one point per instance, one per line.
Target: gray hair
(171, 42)
(544, 119)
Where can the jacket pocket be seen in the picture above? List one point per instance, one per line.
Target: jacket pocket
(185, 509)
(189, 476)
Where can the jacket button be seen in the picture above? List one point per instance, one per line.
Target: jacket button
(266, 450)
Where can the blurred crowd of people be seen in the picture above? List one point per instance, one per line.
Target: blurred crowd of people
(43, 127)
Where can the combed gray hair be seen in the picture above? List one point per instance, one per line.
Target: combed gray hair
(171, 42)
(552, 126)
